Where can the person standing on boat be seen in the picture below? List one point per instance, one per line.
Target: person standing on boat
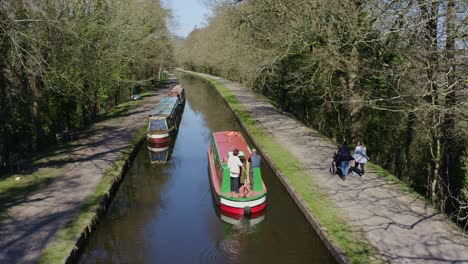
(234, 164)
(255, 162)
(360, 157)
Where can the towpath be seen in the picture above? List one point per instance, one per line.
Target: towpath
(33, 220)
(402, 227)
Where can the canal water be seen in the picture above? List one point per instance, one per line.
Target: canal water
(165, 213)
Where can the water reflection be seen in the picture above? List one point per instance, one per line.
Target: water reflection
(242, 220)
(162, 153)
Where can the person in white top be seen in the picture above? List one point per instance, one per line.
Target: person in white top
(234, 164)
(360, 156)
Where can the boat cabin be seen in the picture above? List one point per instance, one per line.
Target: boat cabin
(162, 117)
(179, 92)
(222, 146)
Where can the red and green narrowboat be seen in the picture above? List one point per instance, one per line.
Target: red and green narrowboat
(250, 200)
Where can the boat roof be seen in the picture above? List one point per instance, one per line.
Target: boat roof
(165, 107)
(178, 89)
(227, 141)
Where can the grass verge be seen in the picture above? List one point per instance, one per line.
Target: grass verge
(394, 179)
(64, 241)
(353, 244)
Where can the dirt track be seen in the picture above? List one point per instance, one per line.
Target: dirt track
(402, 227)
(34, 220)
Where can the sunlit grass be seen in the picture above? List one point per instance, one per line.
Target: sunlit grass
(394, 179)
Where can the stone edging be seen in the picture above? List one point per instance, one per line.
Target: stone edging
(336, 251)
(103, 205)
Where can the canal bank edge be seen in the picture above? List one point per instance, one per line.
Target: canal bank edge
(329, 239)
(67, 250)
(93, 208)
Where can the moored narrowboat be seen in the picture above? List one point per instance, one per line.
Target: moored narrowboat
(179, 92)
(251, 199)
(163, 122)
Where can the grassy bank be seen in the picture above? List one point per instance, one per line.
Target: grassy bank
(46, 166)
(353, 244)
(59, 249)
(64, 241)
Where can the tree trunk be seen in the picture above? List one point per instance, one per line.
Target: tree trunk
(356, 106)
(450, 98)
(160, 71)
(409, 139)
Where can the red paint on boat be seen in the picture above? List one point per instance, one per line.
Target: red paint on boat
(227, 141)
(232, 210)
(163, 140)
(258, 208)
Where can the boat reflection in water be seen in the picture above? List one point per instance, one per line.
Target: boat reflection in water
(161, 153)
(236, 219)
(238, 231)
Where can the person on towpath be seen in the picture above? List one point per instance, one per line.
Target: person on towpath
(344, 157)
(234, 164)
(360, 157)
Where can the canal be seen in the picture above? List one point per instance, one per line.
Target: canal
(165, 213)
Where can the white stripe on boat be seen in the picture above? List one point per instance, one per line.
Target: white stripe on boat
(242, 204)
(158, 135)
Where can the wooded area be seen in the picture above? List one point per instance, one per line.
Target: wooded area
(393, 73)
(65, 62)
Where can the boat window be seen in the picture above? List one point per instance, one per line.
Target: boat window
(157, 124)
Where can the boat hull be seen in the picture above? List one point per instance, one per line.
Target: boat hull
(232, 207)
(162, 138)
(159, 144)
(243, 208)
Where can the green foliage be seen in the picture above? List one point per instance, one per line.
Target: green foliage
(353, 70)
(65, 63)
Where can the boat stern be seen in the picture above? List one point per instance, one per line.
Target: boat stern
(239, 207)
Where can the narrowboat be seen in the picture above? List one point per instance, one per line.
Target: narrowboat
(163, 122)
(178, 91)
(251, 199)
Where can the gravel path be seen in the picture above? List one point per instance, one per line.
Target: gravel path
(34, 221)
(402, 227)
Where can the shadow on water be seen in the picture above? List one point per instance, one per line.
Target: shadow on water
(164, 213)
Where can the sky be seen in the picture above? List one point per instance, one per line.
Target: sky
(187, 14)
